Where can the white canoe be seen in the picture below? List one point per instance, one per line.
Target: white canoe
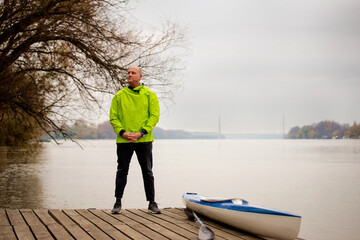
(263, 222)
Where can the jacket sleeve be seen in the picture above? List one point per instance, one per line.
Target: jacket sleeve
(154, 113)
(114, 116)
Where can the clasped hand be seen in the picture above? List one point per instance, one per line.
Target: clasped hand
(131, 137)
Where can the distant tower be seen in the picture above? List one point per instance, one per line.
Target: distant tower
(283, 126)
(219, 133)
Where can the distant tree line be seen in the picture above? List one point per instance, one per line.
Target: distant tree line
(325, 130)
(321, 130)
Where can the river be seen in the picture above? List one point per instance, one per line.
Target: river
(317, 179)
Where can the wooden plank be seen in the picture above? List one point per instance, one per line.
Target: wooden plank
(154, 226)
(175, 218)
(3, 218)
(106, 217)
(69, 225)
(7, 233)
(23, 232)
(85, 224)
(183, 223)
(15, 217)
(147, 231)
(116, 223)
(174, 213)
(170, 223)
(57, 230)
(44, 216)
(41, 232)
(36, 226)
(104, 226)
(220, 229)
(30, 217)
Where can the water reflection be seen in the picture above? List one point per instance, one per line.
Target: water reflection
(20, 185)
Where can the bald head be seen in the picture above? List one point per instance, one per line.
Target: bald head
(134, 75)
(136, 68)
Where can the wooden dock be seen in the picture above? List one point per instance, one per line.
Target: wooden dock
(101, 224)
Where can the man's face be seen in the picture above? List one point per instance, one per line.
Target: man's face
(134, 76)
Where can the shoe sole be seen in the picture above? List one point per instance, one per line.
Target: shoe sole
(150, 211)
(115, 212)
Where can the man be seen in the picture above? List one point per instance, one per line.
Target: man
(134, 113)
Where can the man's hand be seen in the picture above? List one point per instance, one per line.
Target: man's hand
(131, 137)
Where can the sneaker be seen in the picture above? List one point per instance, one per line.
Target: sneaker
(153, 208)
(117, 208)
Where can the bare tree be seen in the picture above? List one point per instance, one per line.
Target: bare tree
(58, 58)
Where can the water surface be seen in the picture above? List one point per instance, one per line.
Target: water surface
(317, 179)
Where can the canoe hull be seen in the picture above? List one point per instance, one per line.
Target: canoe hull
(265, 225)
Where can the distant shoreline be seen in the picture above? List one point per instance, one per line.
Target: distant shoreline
(321, 130)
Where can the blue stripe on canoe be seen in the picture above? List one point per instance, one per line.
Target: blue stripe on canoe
(229, 205)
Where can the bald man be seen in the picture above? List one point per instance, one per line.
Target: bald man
(134, 113)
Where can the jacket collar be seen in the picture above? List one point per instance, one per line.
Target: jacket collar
(136, 89)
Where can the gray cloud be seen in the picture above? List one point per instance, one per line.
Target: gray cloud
(253, 61)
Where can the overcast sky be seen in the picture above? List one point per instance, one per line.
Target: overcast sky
(253, 61)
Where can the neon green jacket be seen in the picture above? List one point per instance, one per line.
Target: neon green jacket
(133, 111)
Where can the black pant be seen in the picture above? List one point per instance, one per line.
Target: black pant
(144, 154)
